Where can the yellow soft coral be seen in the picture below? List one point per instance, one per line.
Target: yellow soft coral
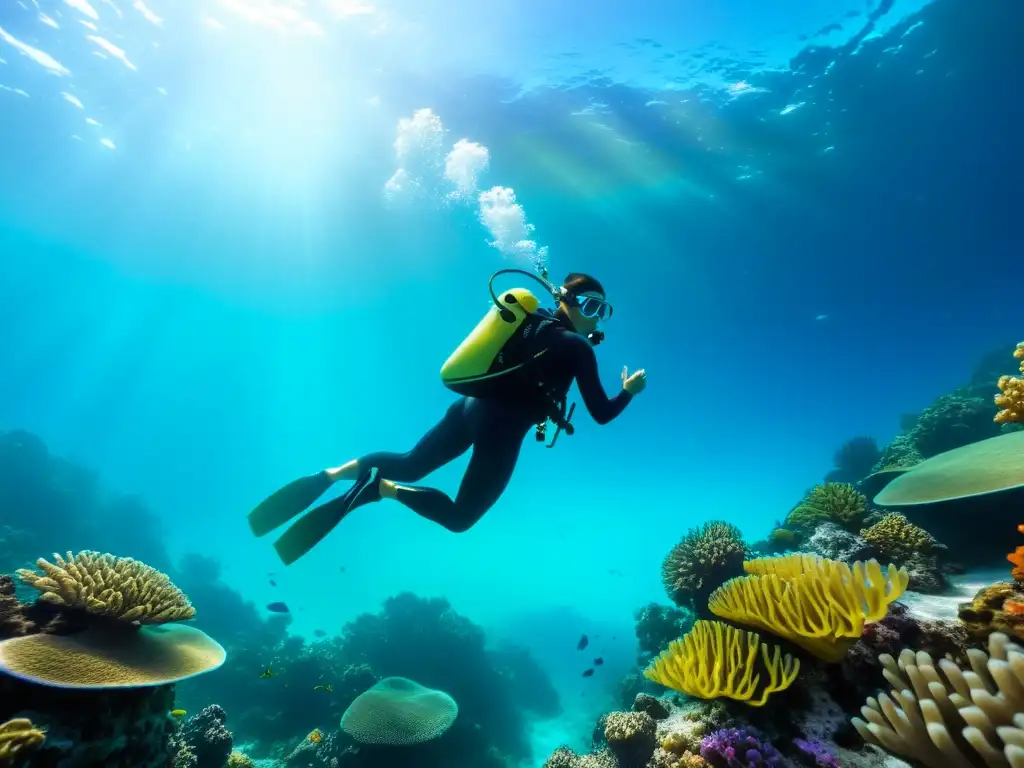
(117, 587)
(17, 737)
(714, 660)
(821, 605)
(1011, 394)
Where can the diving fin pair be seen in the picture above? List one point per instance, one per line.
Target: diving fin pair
(291, 500)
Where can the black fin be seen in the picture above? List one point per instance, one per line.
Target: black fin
(287, 502)
(315, 525)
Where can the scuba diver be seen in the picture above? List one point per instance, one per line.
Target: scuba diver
(513, 373)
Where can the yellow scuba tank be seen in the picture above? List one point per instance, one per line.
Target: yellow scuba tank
(494, 349)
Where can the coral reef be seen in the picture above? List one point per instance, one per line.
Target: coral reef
(897, 539)
(122, 728)
(650, 705)
(853, 460)
(821, 605)
(901, 542)
(901, 453)
(657, 626)
(715, 660)
(113, 598)
(838, 503)
(631, 736)
(941, 715)
(1010, 399)
(705, 558)
(738, 748)
(833, 542)
(205, 739)
(998, 607)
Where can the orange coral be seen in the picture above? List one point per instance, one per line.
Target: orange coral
(1017, 558)
(1011, 394)
(1013, 608)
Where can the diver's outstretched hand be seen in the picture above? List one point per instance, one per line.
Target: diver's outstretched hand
(634, 384)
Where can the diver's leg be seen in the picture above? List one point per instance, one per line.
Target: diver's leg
(447, 440)
(495, 453)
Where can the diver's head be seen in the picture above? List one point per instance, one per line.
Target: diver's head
(582, 300)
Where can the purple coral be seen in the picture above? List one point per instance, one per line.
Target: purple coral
(813, 753)
(738, 748)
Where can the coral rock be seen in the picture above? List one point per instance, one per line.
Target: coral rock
(994, 609)
(207, 737)
(651, 705)
(631, 736)
(833, 542)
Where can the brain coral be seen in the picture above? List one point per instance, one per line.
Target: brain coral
(705, 558)
(398, 712)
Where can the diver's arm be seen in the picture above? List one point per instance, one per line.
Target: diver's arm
(602, 408)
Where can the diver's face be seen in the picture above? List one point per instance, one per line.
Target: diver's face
(583, 324)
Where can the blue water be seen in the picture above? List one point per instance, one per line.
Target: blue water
(806, 216)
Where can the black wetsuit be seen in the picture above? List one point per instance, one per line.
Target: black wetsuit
(495, 428)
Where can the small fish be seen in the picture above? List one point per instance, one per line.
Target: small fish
(589, 672)
(326, 688)
(583, 643)
(277, 607)
(178, 713)
(598, 661)
(268, 672)
(342, 569)
(273, 583)
(319, 633)
(819, 318)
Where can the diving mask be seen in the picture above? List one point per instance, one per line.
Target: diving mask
(592, 306)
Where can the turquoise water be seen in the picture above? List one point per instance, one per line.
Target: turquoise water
(238, 239)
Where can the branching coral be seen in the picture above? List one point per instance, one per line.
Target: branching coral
(705, 558)
(898, 539)
(1017, 558)
(715, 660)
(116, 587)
(821, 605)
(838, 503)
(1010, 399)
(17, 737)
(944, 716)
